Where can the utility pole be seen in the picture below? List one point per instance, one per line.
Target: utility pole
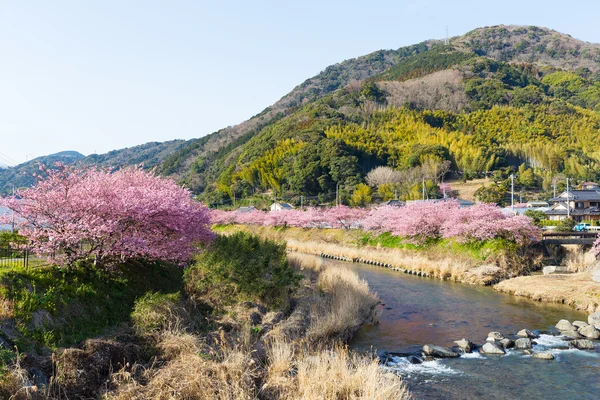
(337, 194)
(554, 185)
(423, 189)
(568, 202)
(512, 192)
(521, 196)
(301, 202)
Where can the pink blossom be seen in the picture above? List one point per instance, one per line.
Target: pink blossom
(418, 221)
(596, 247)
(77, 213)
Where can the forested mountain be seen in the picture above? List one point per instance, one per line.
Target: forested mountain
(503, 98)
(22, 174)
(149, 155)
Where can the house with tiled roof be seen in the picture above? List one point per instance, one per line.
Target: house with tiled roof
(581, 205)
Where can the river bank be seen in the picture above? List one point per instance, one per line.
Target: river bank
(578, 290)
(489, 266)
(217, 336)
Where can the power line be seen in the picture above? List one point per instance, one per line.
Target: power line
(7, 160)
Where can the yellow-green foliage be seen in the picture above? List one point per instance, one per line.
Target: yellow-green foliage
(266, 170)
(476, 141)
(362, 195)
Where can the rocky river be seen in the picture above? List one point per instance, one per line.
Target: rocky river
(419, 311)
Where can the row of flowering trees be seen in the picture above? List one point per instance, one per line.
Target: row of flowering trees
(74, 213)
(417, 221)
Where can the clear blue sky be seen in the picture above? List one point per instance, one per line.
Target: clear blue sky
(94, 76)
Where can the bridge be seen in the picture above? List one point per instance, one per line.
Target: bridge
(583, 238)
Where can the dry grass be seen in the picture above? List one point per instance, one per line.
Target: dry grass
(576, 290)
(577, 260)
(330, 374)
(336, 301)
(347, 304)
(17, 385)
(192, 376)
(434, 265)
(466, 190)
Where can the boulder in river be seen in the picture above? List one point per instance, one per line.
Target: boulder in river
(439, 351)
(590, 332)
(564, 325)
(465, 345)
(414, 360)
(523, 343)
(492, 348)
(495, 336)
(507, 343)
(571, 334)
(543, 356)
(582, 344)
(526, 333)
(579, 324)
(594, 319)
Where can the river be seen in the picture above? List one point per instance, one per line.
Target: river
(420, 311)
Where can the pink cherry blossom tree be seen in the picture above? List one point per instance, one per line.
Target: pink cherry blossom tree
(74, 213)
(596, 247)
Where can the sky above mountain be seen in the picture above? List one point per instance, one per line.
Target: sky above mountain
(98, 76)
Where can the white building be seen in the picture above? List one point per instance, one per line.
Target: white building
(281, 206)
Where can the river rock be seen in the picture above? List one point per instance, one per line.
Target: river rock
(589, 332)
(495, 336)
(571, 334)
(582, 344)
(507, 343)
(528, 352)
(580, 324)
(564, 325)
(526, 333)
(543, 356)
(492, 348)
(414, 360)
(594, 319)
(439, 351)
(465, 345)
(523, 343)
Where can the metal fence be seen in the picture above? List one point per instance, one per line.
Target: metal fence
(11, 256)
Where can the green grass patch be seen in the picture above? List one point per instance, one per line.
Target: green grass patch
(53, 307)
(479, 250)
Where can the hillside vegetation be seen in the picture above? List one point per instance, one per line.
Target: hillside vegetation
(505, 99)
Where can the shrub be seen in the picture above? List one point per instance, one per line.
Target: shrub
(565, 225)
(242, 267)
(537, 216)
(157, 311)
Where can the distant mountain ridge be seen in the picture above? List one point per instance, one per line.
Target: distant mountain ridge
(149, 155)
